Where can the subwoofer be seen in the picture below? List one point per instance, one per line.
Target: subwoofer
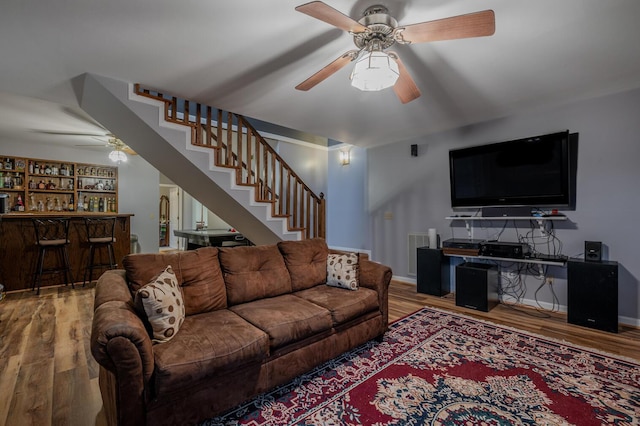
(477, 286)
(592, 294)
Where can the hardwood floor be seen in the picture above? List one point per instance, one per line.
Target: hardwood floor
(48, 376)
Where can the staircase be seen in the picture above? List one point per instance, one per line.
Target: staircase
(216, 156)
(237, 145)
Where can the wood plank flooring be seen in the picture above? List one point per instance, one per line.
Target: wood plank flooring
(48, 376)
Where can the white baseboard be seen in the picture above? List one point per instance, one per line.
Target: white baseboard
(404, 279)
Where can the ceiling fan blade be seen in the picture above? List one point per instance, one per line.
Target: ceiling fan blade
(327, 71)
(476, 24)
(50, 132)
(128, 150)
(331, 16)
(405, 87)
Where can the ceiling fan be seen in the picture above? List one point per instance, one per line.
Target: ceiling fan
(111, 140)
(117, 144)
(375, 32)
(118, 149)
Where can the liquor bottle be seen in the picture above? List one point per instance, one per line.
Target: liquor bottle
(85, 204)
(30, 167)
(95, 204)
(71, 203)
(19, 204)
(80, 203)
(79, 183)
(101, 205)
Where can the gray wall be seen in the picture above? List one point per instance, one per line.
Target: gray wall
(138, 188)
(347, 216)
(413, 192)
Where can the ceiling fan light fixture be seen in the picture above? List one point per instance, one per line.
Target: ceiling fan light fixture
(374, 70)
(118, 156)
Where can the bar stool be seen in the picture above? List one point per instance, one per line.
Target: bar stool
(100, 236)
(52, 234)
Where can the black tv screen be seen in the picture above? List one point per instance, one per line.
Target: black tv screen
(536, 171)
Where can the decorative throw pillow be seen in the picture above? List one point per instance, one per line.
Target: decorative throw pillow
(162, 301)
(342, 271)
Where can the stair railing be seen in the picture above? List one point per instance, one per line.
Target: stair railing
(238, 145)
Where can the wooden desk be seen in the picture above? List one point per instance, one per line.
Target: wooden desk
(19, 253)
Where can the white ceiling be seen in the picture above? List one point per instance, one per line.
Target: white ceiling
(247, 57)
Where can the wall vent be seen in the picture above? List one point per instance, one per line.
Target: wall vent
(415, 241)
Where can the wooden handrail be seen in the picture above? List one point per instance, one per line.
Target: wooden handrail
(241, 147)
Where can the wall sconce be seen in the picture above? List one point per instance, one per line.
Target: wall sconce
(345, 157)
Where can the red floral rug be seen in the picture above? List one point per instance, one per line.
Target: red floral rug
(448, 369)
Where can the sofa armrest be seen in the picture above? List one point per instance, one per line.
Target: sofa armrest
(377, 277)
(121, 344)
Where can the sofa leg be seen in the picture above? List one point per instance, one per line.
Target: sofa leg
(380, 338)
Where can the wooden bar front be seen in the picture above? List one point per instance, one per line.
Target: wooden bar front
(19, 253)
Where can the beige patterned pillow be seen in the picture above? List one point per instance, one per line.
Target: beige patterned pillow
(342, 271)
(163, 304)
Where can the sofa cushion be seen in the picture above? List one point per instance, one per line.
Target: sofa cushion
(286, 319)
(254, 272)
(344, 305)
(198, 272)
(306, 261)
(342, 271)
(162, 302)
(207, 344)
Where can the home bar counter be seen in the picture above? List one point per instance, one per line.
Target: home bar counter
(19, 252)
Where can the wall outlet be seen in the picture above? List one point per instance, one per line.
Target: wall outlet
(548, 281)
(388, 215)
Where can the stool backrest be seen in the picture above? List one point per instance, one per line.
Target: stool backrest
(100, 229)
(51, 231)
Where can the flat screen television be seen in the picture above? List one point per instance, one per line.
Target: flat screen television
(537, 171)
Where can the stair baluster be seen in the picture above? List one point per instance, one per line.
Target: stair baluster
(241, 147)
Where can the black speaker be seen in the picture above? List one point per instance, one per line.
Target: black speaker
(593, 251)
(592, 294)
(510, 211)
(433, 272)
(477, 286)
(414, 150)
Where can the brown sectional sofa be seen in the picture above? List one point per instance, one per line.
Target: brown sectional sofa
(256, 317)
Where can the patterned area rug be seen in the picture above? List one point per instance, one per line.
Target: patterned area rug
(441, 368)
